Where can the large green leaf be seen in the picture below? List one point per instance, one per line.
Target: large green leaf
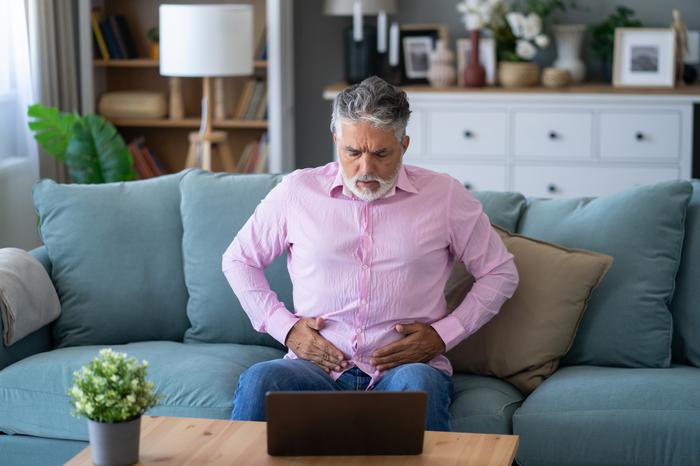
(52, 129)
(97, 153)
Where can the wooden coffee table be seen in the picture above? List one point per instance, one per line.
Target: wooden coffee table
(187, 441)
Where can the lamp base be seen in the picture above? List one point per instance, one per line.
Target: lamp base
(207, 142)
(360, 57)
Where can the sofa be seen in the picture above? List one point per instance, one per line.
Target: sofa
(137, 267)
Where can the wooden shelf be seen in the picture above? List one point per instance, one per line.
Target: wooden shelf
(149, 63)
(187, 123)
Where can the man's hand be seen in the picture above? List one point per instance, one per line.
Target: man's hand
(308, 344)
(421, 344)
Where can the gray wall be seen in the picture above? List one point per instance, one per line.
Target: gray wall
(319, 60)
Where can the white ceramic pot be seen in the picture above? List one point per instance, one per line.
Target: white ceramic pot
(442, 70)
(569, 38)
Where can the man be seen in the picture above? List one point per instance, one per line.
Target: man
(370, 245)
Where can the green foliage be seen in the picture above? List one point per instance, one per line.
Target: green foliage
(603, 34)
(90, 146)
(112, 388)
(153, 34)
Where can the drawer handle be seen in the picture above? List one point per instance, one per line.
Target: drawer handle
(468, 134)
(639, 136)
(553, 135)
(552, 188)
(468, 186)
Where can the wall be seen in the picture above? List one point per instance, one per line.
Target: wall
(319, 61)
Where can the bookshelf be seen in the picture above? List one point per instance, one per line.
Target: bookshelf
(168, 138)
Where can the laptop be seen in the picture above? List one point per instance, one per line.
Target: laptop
(345, 423)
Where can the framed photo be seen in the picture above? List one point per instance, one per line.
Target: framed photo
(487, 57)
(644, 57)
(417, 42)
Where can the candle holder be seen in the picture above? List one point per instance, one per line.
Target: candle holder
(360, 56)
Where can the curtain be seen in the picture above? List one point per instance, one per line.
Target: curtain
(54, 40)
(19, 167)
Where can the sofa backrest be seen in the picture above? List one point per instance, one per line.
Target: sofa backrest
(116, 260)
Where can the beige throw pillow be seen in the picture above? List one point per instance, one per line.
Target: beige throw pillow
(535, 328)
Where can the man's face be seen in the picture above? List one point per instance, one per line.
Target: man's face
(370, 158)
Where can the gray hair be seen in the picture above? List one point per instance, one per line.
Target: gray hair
(373, 101)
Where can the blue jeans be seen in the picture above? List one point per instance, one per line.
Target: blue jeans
(303, 375)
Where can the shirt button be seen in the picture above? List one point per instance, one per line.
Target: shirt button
(364, 301)
(359, 330)
(364, 266)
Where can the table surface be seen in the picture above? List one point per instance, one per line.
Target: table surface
(188, 441)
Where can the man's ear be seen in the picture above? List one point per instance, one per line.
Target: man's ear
(405, 143)
(335, 139)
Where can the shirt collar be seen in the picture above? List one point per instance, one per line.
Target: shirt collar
(403, 182)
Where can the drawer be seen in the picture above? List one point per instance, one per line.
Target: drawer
(572, 181)
(640, 135)
(415, 131)
(475, 177)
(553, 134)
(459, 134)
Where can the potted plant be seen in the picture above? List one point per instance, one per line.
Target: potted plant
(519, 35)
(90, 146)
(603, 36)
(112, 393)
(153, 43)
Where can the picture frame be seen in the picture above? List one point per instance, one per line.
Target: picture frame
(417, 41)
(644, 57)
(487, 57)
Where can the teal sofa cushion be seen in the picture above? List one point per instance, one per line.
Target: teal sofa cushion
(627, 322)
(115, 252)
(196, 380)
(686, 301)
(483, 404)
(214, 208)
(611, 416)
(502, 208)
(24, 450)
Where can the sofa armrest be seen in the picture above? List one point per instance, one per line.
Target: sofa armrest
(36, 342)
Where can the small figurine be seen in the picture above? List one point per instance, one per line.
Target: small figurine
(681, 38)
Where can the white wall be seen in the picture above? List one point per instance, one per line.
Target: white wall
(17, 217)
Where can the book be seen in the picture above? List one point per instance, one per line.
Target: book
(252, 160)
(254, 100)
(245, 155)
(97, 33)
(261, 48)
(261, 112)
(110, 40)
(157, 160)
(127, 38)
(117, 36)
(261, 164)
(140, 166)
(244, 99)
(152, 167)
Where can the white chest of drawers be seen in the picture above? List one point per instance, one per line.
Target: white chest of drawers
(584, 141)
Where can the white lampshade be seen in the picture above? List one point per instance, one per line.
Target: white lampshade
(369, 7)
(206, 40)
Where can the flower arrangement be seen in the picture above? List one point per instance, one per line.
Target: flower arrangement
(527, 32)
(112, 388)
(478, 14)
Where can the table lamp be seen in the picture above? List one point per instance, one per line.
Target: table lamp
(205, 41)
(365, 47)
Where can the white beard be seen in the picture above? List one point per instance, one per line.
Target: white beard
(366, 194)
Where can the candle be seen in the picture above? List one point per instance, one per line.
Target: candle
(394, 44)
(381, 32)
(357, 21)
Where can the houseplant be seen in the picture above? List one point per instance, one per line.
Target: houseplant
(153, 35)
(112, 393)
(90, 146)
(603, 36)
(519, 37)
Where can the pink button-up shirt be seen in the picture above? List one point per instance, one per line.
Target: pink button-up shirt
(365, 267)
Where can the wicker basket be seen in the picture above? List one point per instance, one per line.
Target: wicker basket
(518, 74)
(555, 77)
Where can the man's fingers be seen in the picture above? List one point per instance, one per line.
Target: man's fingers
(316, 323)
(392, 348)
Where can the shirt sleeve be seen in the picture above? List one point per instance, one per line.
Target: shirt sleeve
(478, 246)
(257, 244)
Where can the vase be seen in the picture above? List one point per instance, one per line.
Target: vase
(474, 73)
(569, 38)
(518, 74)
(114, 444)
(442, 71)
(154, 51)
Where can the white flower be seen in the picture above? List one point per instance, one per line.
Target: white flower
(532, 26)
(473, 21)
(525, 49)
(516, 22)
(542, 41)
